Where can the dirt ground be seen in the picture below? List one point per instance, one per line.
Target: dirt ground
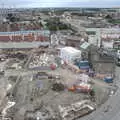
(40, 91)
(30, 93)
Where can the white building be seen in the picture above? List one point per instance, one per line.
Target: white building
(69, 54)
(108, 44)
(103, 34)
(92, 39)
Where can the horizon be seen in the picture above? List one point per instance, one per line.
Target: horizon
(12, 7)
(60, 4)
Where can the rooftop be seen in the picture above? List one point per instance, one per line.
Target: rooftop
(71, 50)
(44, 32)
(22, 45)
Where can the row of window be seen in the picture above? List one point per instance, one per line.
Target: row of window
(23, 38)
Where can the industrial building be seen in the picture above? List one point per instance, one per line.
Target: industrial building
(68, 54)
(24, 39)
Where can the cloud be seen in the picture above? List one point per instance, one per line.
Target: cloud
(61, 3)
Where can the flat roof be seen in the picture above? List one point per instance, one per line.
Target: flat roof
(71, 50)
(103, 29)
(85, 45)
(44, 32)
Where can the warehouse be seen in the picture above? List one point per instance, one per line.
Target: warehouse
(69, 54)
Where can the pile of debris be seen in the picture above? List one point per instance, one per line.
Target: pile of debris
(75, 110)
(14, 63)
(41, 60)
(58, 86)
(43, 113)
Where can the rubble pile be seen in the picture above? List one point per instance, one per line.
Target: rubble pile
(75, 110)
(58, 87)
(40, 60)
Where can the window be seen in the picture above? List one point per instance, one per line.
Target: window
(91, 32)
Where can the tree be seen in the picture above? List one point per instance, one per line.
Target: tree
(12, 18)
(54, 24)
(108, 17)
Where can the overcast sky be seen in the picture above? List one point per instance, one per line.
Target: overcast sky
(60, 3)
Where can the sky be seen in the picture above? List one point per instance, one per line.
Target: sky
(59, 3)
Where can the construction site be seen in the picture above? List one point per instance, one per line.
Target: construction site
(42, 79)
(39, 84)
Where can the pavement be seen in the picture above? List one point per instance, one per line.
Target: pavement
(110, 110)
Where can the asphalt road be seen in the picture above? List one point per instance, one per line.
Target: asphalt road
(110, 110)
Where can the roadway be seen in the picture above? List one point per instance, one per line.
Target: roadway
(110, 110)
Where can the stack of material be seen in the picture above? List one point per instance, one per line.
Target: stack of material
(83, 87)
(40, 60)
(84, 78)
(82, 84)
